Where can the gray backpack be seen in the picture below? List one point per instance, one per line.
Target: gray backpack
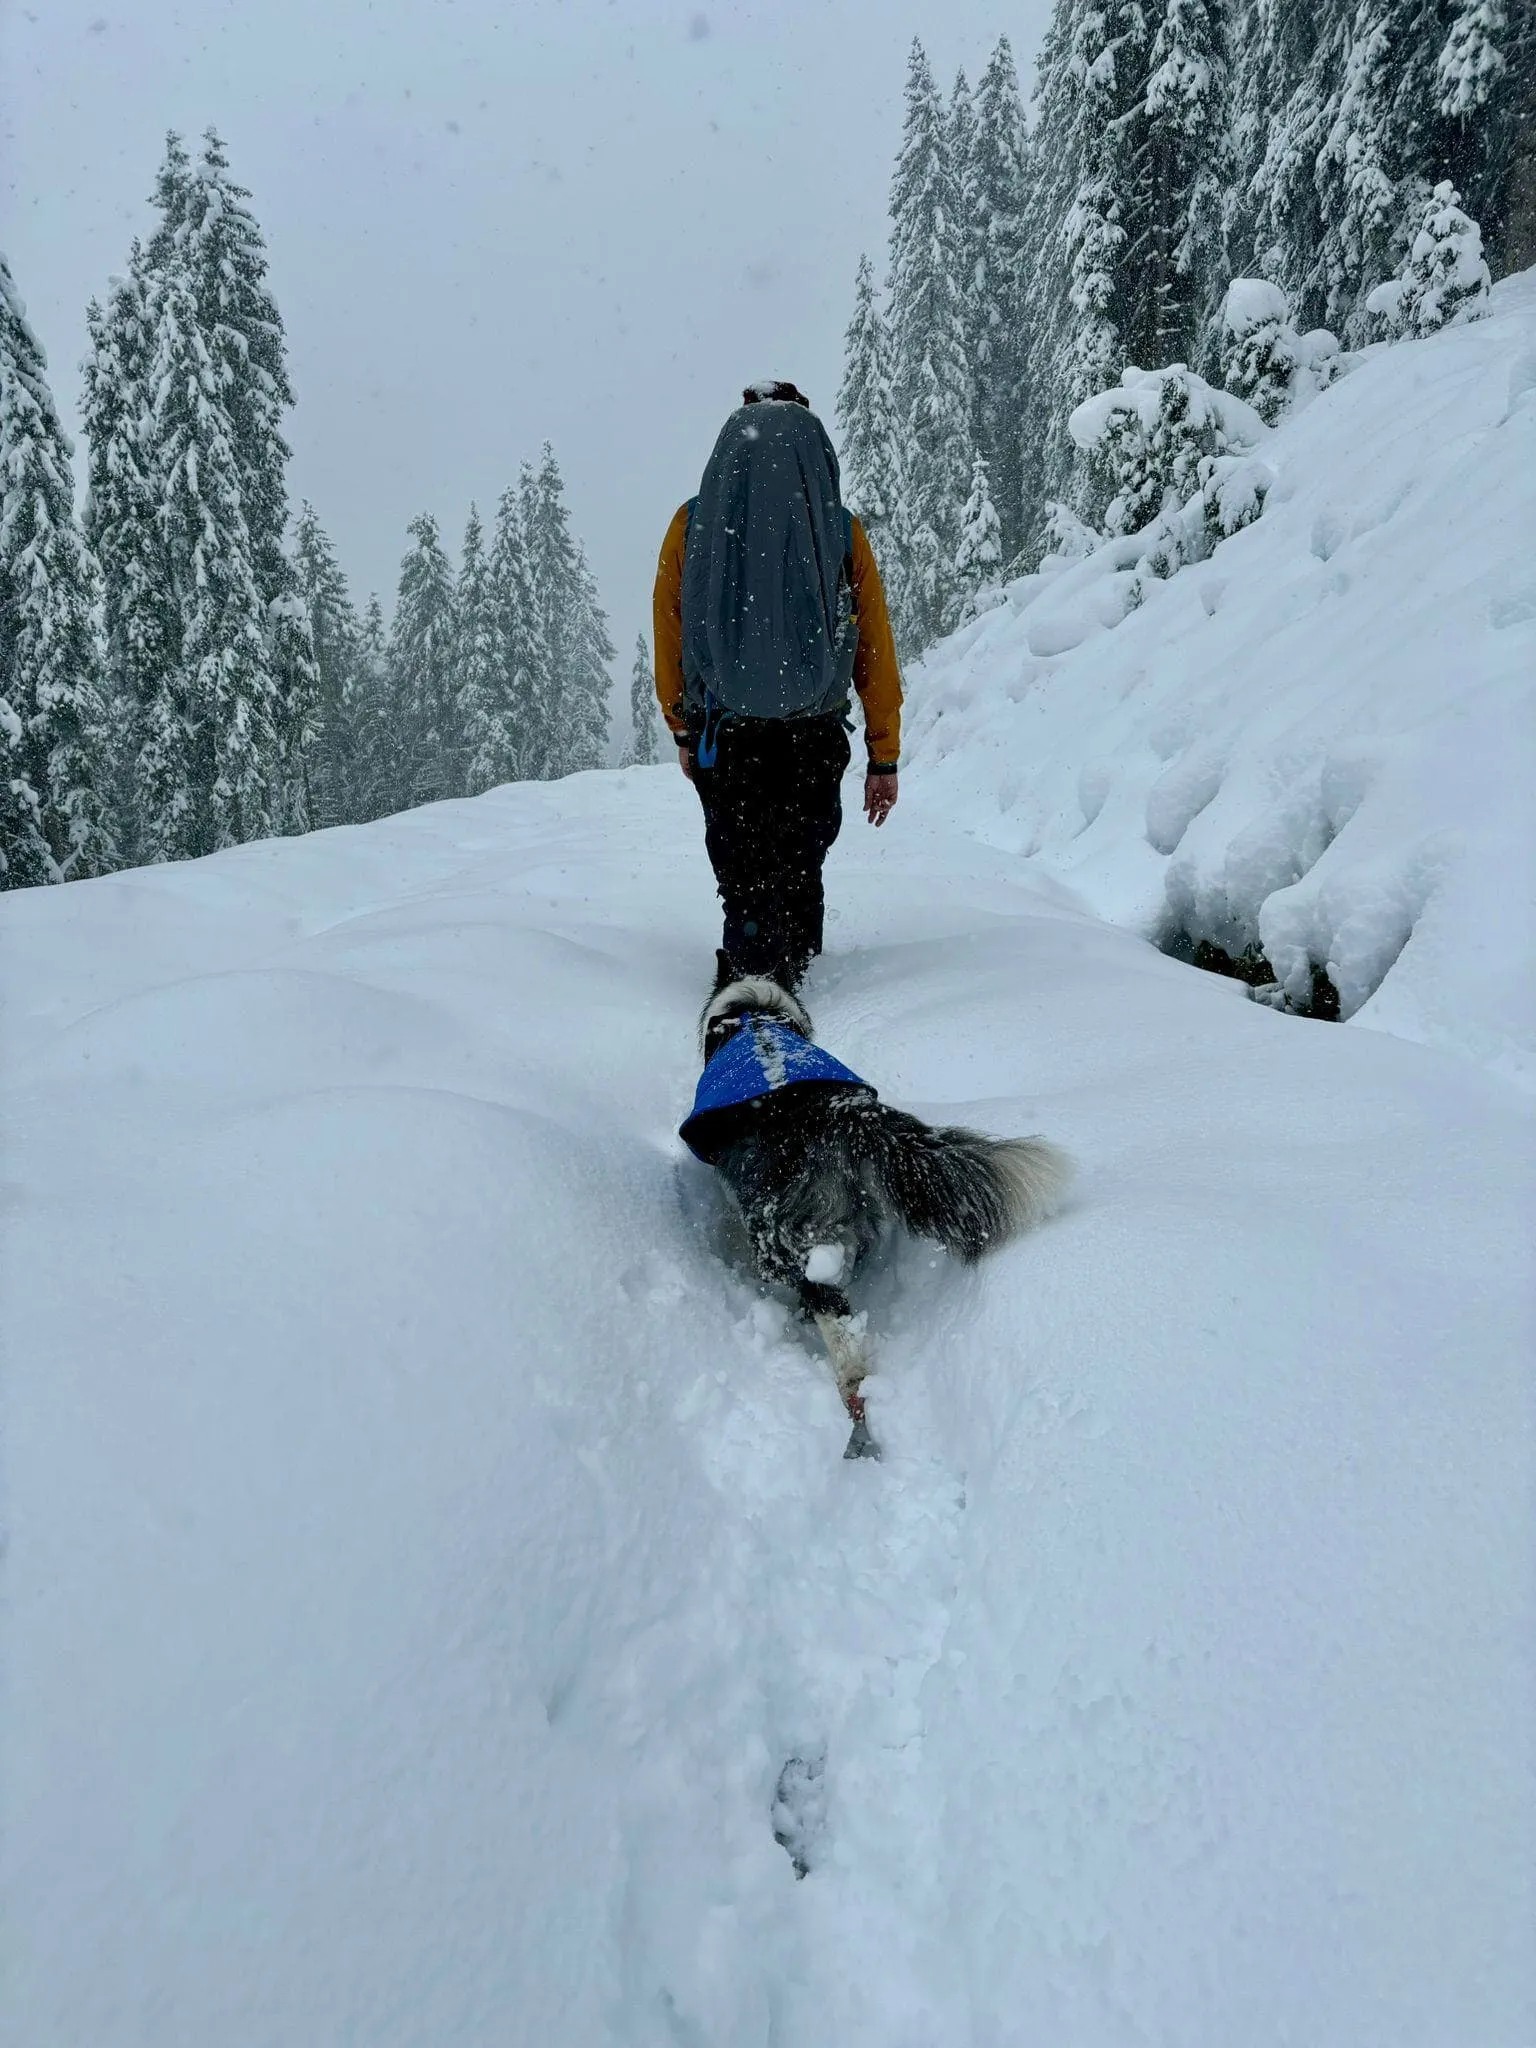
(768, 622)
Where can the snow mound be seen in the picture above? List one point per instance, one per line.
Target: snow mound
(437, 1608)
(1318, 743)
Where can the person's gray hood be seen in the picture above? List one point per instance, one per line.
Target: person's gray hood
(767, 624)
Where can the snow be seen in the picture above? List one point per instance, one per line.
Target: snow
(1319, 741)
(1253, 302)
(438, 1609)
(1141, 391)
(824, 1264)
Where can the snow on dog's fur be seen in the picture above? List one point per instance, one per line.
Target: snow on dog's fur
(826, 1170)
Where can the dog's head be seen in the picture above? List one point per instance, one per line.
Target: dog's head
(752, 996)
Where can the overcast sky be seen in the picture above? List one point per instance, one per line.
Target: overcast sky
(589, 221)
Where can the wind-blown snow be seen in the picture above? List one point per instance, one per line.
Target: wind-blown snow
(1322, 740)
(437, 1606)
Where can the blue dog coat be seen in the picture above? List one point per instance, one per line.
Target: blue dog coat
(759, 1059)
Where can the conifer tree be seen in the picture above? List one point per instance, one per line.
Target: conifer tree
(373, 722)
(221, 248)
(572, 721)
(979, 557)
(333, 635)
(478, 667)
(996, 316)
(931, 376)
(873, 482)
(1086, 108)
(1444, 278)
(423, 645)
(52, 727)
(644, 712)
(960, 141)
(122, 528)
(210, 760)
(508, 741)
(1174, 253)
(591, 680)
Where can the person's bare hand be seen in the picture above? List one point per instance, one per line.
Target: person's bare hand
(685, 761)
(879, 797)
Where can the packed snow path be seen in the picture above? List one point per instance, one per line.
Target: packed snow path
(425, 1551)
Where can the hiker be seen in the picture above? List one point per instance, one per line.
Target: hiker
(768, 606)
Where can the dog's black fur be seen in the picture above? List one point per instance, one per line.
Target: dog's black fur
(828, 1164)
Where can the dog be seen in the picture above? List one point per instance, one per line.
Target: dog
(823, 1171)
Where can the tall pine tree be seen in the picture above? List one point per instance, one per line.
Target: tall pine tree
(334, 637)
(644, 712)
(572, 715)
(52, 717)
(209, 763)
(509, 744)
(221, 248)
(481, 697)
(122, 528)
(995, 312)
(930, 372)
(873, 478)
(422, 652)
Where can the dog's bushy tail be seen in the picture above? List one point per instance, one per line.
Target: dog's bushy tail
(970, 1193)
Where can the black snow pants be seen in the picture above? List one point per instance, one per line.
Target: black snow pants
(772, 808)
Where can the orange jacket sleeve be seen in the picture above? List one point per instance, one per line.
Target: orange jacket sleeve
(876, 673)
(667, 625)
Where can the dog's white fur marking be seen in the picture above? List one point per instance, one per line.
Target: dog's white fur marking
(847, 1342)
(1037, 1174)
(756, 996)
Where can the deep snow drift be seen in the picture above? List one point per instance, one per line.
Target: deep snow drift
(1322, 741)
(425, 1552)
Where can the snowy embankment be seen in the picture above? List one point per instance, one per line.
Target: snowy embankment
(1321, 742)
(425, 1552)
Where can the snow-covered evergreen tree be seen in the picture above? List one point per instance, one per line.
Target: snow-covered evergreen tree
(422, 653)
(508, 737)
(1174, 252)
(333, 634)
(571, 712)
(53, 721)
(222, 251)
(960, 140)
(210, 768)
(373, 722)
(1153, 439)
(591, 679)
(644, 712)
(1085, 108)
(122, 528)
(930, 373)
(480, 680)
(872, 464)
(1471, 61)
(979, 557)
(1264, 360)
(1444, 277)
(995, 314)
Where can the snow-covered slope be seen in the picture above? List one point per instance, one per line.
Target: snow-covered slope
(424, 1553)
(1322, 741)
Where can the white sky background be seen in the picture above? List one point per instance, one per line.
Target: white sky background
(490, 225)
